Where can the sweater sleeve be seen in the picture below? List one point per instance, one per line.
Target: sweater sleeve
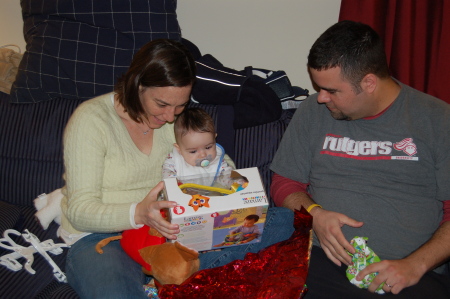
(281, 187)
(84, 160)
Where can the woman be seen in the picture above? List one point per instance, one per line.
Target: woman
(114, 147)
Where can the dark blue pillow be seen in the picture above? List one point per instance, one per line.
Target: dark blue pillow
(31, 156)
(78, 49)
(9, 214)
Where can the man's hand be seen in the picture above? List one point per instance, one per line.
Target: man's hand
(327, 226)
(148, 213)
(399, 274)
(396, 274)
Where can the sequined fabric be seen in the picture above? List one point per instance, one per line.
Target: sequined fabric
(278, 271)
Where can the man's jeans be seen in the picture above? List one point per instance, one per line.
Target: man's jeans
(278, 227)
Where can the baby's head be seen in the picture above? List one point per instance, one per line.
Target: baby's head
(250, 220)
(195, 137)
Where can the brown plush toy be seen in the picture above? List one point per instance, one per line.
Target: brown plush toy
(171, 263)
(168, 263)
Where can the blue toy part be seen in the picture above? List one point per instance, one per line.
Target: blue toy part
(236, 237)
(220, 163)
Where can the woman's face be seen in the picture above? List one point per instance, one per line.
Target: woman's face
(162, 104)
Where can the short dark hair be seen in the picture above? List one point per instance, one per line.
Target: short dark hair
(354, 47)
(193, 120)
(252, 217)
(159, 63)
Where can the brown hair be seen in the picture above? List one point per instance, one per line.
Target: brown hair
(159, 63)
(354, 47)
(252, 217)
(193, 120)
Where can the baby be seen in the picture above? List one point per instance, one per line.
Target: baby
(245, 233)
(248, 228)
(196, 154)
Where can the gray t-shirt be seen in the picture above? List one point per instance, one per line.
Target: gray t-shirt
(392, 172)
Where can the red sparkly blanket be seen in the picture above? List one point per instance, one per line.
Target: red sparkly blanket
(278, 271)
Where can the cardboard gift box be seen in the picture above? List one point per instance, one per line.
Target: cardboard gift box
(214, 216)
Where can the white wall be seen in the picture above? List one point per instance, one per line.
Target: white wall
(271, 34)
(11, 26)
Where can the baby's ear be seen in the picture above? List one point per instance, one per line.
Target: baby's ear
(177, 147)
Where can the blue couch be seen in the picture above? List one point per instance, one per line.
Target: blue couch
(75, 52)
(31, 163)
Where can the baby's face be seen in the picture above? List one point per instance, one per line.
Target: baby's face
(248, 223)
(196, 147)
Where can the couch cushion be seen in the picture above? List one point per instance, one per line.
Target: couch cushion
(9, 214)
(22, 284)
(77, 49)
(256, 146)
(31, 160)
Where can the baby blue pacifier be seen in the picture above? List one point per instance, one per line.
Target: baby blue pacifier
(204, 163)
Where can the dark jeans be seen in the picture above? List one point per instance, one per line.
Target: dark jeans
(110, 275)
(327, 280)
(278, 227)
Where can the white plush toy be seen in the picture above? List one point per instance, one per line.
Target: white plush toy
(48, 208)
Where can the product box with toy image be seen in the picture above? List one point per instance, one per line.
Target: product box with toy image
(230, 213)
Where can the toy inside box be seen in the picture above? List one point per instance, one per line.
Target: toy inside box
(218, 212)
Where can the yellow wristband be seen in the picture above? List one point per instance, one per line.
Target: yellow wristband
(312, 207)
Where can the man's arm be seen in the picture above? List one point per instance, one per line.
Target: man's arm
(326, 224)
(282, 187)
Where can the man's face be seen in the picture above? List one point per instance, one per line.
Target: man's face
(339, 95)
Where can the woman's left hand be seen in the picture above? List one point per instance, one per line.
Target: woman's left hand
(148, 213)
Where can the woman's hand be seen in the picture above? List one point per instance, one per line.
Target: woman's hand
(148, 213)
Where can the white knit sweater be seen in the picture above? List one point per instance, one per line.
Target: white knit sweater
(105, 172)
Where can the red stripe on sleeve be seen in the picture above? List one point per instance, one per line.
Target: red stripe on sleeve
(446, 209)
(281, 187)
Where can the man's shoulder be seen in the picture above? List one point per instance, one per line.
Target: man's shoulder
(310, 108)
(310, 101)
(422, 100)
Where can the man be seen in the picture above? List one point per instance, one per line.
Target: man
(368, 156)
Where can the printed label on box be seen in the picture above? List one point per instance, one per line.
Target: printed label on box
(215, 218)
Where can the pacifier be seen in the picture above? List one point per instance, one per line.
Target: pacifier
(204, 162)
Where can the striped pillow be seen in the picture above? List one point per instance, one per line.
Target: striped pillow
(9, 214)
(78, 49)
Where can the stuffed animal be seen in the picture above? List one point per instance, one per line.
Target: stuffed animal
(48, 208)
(168, 263)
(134, 239)
(171, 263)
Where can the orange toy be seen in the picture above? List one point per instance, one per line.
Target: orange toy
(168, 263)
